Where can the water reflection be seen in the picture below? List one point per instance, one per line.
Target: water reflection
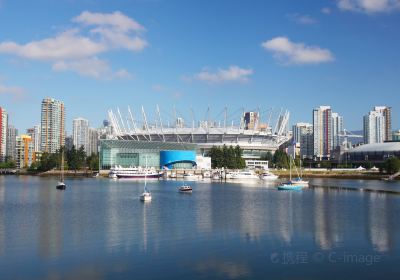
(220, 226)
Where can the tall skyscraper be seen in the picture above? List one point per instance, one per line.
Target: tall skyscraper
(52, 125)
(12, 134)
(303, 134)
(374, 127)
(250, 120)
(387, 114)
(80, 133)
(337, 129)
(322, 126)
(3, 133)
(93, 141)
(34, 133)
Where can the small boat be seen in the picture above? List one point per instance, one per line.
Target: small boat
(299, 181)
(185, 189)
(146, 195)
(268, 176)
(291, 186)
(230, 174)
(172, 175)
(216, 176)
(207, 174)
(190, 177)
(61, 185)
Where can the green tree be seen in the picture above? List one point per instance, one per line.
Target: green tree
(92, 162)
(281, 159)
(392, 165)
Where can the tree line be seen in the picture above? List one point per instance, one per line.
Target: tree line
(74, 159)
(227, 157)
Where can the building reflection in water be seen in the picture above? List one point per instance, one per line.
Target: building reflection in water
(50, 233)
(2, 217)
(378, 222)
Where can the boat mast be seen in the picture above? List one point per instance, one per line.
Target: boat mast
(62, 165)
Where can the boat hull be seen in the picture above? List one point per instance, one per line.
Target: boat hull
(290, 188)
(139, 176)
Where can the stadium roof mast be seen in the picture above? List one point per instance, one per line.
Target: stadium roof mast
(133, 123)
(146, 125)
(161, 124)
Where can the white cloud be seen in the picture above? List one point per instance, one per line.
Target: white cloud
(302, 19)
(115, 20)
(288, 52)
(77, 50)
(369, 6)
(16, 93)
(66, 45)
(11, 90)
(232, 74)
(91, 67)
(326, 10)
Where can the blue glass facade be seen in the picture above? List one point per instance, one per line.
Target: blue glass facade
(175, 159)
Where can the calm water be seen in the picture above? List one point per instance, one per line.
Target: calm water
(98, 229)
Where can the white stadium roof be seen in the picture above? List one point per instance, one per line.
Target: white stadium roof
(377, 147)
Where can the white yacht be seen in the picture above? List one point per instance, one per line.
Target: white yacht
(249, 174)
(190, 177)
(134, 172)
(231, 174)
(268, 176)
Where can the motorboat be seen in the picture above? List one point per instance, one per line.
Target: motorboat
(190, 177)
(230, 174)
(207, 174)
(216, 176)
(268, 176)
(172, 175)
(185, 189)
(245, 175)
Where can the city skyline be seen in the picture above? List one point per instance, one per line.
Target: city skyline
(192, 54)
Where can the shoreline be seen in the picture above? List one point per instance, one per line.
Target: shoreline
(280, 173)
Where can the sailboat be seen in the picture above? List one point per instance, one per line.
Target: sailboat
(289, 186)
(61, 185)
(299, 180)
(146, 195)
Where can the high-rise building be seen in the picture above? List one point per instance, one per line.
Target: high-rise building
(34, 133)
(322, 131)
(25, 154)
(337, 130)
(93, 141)
(250, 120)
(52, 125)
(12, 134)
(303, 134)
(3, 133)
(387, 113)
(378, 125)
(80, 133)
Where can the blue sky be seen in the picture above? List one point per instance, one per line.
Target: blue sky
(291, 54)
